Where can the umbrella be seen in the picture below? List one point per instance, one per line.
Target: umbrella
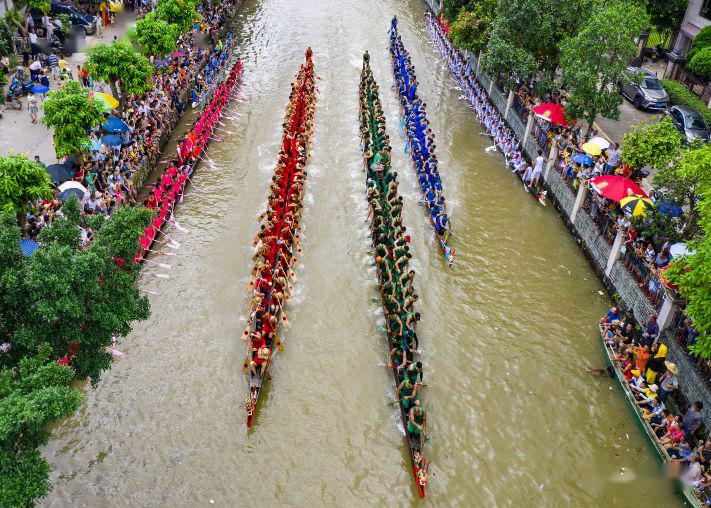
(551, 113)
(40, 89)
(669, 208)
(591, 149)
(95, 145)
(601, 142)
(680, 249)
(177, 54)
(583, 159)
(28, 247)
(65, 195)
(161, 63)
(105, 99)
(62, 63)
(72, 185)
(114, 124)
(111, 140)
(35, 66)
(616, 187)
(59, 173)
(635, 204)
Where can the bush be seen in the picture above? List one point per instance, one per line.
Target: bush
(701, 41)
(700, 64)
(678, 94)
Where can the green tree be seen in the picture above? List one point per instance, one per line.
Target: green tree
(471, 28)
(182, 13)
(126, 71)
(33, 394)
(666, 14)
(22, 181)
(595, 60)
(75, 299)
(451, 8)
(72, 114)
(156, 36)
(525, 36)
(692, 273)
(653, 143)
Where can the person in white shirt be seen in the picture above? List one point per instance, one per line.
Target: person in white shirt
(537, 169)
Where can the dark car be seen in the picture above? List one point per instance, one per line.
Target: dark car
(644, 89)
(690, 123)
(83, 24)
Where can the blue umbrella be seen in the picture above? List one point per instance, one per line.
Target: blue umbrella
(669, 208)
(59, 173)
(161, 63)
(114, 124)
(111, 140)
(40, 89)
(71, 192)
(95, 145)
(583, 159)
(28, 247)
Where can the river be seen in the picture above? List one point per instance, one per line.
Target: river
(506, 333)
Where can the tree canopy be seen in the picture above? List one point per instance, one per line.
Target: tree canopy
(156, 36)
(120, 66)
(181, 13)
(32, 395)
(595, 60)
(22, 181)
(472, 26)
(72, 114)
(526, 35)
(666, 14)
(75, 299)
(653, 143)
(692, 273)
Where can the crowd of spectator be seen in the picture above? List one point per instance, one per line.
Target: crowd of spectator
(108, 172)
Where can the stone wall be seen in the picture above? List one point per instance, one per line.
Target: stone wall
(620, 281)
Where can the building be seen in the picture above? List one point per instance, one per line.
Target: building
(698, 15)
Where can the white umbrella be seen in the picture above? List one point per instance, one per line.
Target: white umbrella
(679, 249)
(601, 142)
(72, 185)
(35, 66)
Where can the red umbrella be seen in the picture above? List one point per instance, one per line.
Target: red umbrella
(616, 187)
(552, 113)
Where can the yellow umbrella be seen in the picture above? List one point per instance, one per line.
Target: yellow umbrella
(591, 149)
(104, 98)
(635, 204)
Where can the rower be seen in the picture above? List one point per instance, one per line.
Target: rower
(413, 371)
(416, 420)
(407, 392)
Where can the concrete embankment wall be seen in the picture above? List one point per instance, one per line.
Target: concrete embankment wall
(595, 247)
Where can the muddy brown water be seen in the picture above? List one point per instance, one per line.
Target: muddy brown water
(506, 333)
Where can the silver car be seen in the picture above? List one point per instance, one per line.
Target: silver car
(644, 89)
(690, 123)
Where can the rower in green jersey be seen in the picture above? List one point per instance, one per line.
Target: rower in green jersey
(413, 371)
(416, 420)
(407, 392)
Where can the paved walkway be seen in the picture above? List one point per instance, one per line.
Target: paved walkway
(20, 135)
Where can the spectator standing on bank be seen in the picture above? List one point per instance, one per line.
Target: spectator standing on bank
(693, 419)
(32, 107)
(613, 158)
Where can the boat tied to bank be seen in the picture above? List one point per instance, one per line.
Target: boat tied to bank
(277, 242)
(391, 252)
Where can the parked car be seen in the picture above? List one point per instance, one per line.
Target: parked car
(689, 122)
(83, 24)
(644, 89)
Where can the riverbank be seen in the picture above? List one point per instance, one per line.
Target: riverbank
(605, 259)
